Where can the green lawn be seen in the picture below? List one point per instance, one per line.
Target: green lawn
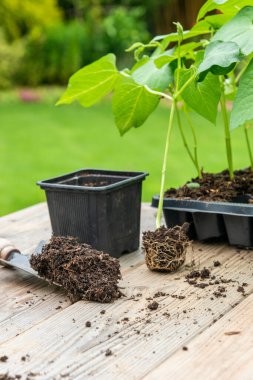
(39, 141)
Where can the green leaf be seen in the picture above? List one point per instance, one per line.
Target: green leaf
(203, 97)
(186, 49)
(228, 7)
(217, 21)
(242, 111)
(91, 83)
(145, 72)
(132, 104)
(220, 58)
(239, 30)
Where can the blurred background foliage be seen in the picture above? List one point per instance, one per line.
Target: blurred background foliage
(45, 41)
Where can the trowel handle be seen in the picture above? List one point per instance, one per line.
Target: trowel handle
(6, 249)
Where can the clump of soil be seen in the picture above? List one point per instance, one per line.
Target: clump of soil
(153, 305)
(84, 272)
(216, 187)
(165, 248)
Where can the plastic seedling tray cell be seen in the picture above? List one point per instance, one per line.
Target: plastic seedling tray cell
(231, 221)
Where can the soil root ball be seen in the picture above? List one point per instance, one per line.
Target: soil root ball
(165, 248)
(84, 272)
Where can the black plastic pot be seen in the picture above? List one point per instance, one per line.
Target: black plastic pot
(208, 220)
(99, 207)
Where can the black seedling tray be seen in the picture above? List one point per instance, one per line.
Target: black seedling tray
(99, 207)
(209, 220)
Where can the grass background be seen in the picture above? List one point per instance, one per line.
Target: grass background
(39, 141)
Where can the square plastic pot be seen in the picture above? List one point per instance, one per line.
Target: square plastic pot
(209, 220)
(99, 207)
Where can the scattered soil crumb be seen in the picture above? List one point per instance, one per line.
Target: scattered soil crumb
(201, 285)
(153, 305)
(232, 333)
(205, 273)
(108, 352)
(4, 359)
(216, 263)
(193, 274)
(185, 348)
(102, 312)
(159, 294)
(84, 272)
(240, 289)
(88, 324)
(6, 376)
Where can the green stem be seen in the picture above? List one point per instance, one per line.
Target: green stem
(227, 131)
(178, 65)
(195, 147)
(242, 71)
(179, 92)
(183, 137)
(162, 188)
(248, 145)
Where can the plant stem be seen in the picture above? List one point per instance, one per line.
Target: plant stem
(242, 71)
(160, 205)
(227, 130)
(183, 137)
(179, 92)
(161, 94)
(195, 147)
(246, 126)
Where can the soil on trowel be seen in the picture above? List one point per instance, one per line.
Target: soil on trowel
(217, 187)
(165, 248)
(84, 272)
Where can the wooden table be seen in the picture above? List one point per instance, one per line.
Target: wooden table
(192, 335)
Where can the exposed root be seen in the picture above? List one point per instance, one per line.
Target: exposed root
(165, 248)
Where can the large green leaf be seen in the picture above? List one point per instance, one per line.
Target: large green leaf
(228, 7)
(91, 83)
(203, 96)
(239, 30)
(243, 105)
(132, 104)
(217, 21)
(220, 58)
(146, 72)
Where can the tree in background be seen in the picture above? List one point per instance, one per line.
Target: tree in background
(21, 17)
(56, 37)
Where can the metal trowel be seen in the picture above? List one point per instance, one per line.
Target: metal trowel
(10, 256)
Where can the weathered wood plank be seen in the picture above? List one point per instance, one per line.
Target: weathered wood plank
(224, 351)
(30, 300)
(27, 227)
(80, 351)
